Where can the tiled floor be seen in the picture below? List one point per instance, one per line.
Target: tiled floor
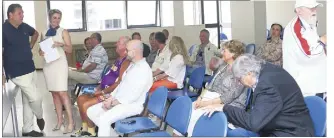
(49, 113)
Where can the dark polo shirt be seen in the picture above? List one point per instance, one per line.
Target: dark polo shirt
(17, 55)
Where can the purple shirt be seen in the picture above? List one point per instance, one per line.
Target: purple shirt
(112, 75)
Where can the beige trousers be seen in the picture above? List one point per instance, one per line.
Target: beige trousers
(78, 77)
(31, 99)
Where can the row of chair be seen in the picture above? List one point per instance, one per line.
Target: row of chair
(178, 117)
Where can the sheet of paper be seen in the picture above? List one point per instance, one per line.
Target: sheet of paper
(50, 53)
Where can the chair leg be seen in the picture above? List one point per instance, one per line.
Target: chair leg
(78, 91)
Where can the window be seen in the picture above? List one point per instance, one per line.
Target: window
(142, 13)
(205, 12)
(167, 13)
(225, 18)
(28, 8)
(213, 35)
(192, 12)
(105, 15)
(71, 14)
(210, 12)
(111, 15)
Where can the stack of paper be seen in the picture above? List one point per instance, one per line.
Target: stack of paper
(50, 53)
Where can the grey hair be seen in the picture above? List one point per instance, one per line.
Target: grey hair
(247, 63)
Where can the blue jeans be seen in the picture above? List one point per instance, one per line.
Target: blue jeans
(240, 132)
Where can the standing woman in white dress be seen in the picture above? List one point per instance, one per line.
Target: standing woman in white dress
(56, 72)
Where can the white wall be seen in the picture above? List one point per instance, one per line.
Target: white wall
(242, 18)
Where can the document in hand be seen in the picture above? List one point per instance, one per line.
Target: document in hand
(50, 53)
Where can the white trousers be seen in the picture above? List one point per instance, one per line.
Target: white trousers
(197, 113)
(103, 119)
(31, 99)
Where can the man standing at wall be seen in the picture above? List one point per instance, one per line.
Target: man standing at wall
(304, 53)
(20, 68)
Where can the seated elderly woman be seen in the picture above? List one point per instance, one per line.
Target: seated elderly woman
(109, 82)
(223, 88)
(277, 107)
(173, 77)
(271, 51)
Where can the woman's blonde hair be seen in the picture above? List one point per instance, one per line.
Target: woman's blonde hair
(236, 47)
(177, 46)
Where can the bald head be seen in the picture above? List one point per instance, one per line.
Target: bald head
(135, 50)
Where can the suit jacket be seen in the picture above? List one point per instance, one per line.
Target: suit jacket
(277, 108)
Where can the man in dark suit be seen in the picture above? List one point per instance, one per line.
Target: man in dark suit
(277, 104)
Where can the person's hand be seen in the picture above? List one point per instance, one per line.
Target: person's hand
(114, 102)
(41, 53)
(209, 110)
(97, 93)
(197, 103)
(213, 64)
(106, 105)
(323, 39)
(57, 44)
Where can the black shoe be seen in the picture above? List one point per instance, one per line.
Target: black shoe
(87, 134)
(41, 124)
(33, 134)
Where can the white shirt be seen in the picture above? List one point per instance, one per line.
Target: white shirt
(305, 63)
(162, 56)
(136, 82)
(176, 70)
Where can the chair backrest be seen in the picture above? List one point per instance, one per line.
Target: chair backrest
(250, 48)
(197, 77)
(105, 70)
(214, 126)
(157, 102)
(317, 108)
(222, 36)
(178, 114)
(190, 51)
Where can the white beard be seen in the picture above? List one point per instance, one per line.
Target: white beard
(312, 20)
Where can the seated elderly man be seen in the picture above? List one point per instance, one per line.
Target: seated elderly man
(277, 107)
(109, 82)
(92, 67)
(129, 96)
(203, 53)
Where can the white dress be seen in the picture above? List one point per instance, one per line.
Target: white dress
(56, 72)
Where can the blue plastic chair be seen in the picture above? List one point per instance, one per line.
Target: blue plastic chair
(317, 108)
(250, 49)
(222, 36)
(156, 106)
(178, 117)
(214, 126)
(195, 80)
(80, 86)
